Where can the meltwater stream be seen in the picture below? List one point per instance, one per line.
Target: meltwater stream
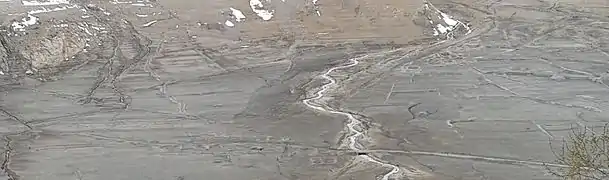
(353, 133)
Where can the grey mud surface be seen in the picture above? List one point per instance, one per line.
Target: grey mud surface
(184, 100)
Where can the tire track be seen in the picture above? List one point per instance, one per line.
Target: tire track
(142, 47)
(163, 87)
(353, 125)
(102, 74)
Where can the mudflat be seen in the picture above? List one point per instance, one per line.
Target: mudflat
(284, 89)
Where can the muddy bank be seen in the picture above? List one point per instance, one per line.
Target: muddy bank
(221, 89)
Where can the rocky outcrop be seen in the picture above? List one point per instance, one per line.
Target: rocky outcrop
(46, 47)
(49, 49)
(51, 46)
(440, 24)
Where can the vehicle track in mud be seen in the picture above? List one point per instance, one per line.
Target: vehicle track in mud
(117, 64)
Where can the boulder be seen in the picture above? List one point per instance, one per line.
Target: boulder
(51, 46)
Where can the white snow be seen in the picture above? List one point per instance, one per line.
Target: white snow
(98, 28)
(150, 23)
(61, 25)
(45, 3)
(85, 30)
(448, 20)
(450, 123)
(45, 10)
(256, 6)
(238, 14)
(141, 15)
(121, 2)
(316, 9)
(30, 20)
(450, 23)
(142, 5)
(229, 24)
(443, 29)
(104, 11)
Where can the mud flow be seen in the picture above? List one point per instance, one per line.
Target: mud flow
(286, 89)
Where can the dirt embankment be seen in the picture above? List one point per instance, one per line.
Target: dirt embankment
(44, 45)
(48, 44)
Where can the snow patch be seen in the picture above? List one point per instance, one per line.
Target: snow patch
(448, 20)
(98, 28)
(45, 10)
(61, 25)
(121, 2)
(316, 7)
(229, 24)
(142, 5)
(443, 29)
(101, 9)
(44, 3)
(82, 27)
(447, 26)
(149, 23)
(239, 16)
(257, 6)
(25, 22)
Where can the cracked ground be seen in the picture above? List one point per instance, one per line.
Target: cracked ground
(328, 89)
